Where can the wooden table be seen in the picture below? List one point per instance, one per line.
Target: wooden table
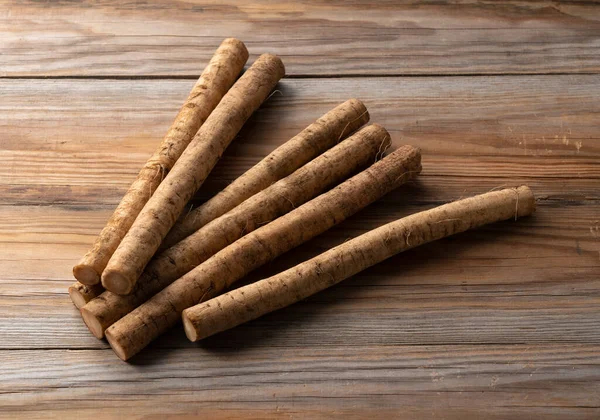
(495, 323)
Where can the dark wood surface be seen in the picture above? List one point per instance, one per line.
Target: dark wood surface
(314, 38)
(501, 322)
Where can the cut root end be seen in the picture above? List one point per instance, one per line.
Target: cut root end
(190, 331)
(116, 283)
(76, 297)
(92, 323)
(86, 274)
(117, 348)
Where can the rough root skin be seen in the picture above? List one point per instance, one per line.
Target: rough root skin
(136, 330)
(216, 79)
(252, 301)
(312, 179)
(323, 134)
(191, 169)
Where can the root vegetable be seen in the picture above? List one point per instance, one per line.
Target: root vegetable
(189, 172)
(326, 170)
(311, 142)
(217, 78)
(325, 270)
(81, 293)
(133, 332)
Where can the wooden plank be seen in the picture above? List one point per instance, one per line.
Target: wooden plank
(501, 322)
(72, 142)
(72, 147)
(533, 281)
(257, 380)
(50, 239)
(160, 37)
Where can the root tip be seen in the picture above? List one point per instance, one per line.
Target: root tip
(117, 348)
(86, 274)
(190, 331)
(116, 282)
(92, 323)
(76, 297)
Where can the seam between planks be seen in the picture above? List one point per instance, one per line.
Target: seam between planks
(304, 76)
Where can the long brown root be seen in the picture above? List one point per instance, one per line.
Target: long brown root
(189, 172)
(136, 330)
(324, 133)
(252, 301)
(326, 170)
(215, 81)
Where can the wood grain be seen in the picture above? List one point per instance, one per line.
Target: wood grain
(450, 381)
(63, 187)
(173, 37)
(407, 300)
(83, 142)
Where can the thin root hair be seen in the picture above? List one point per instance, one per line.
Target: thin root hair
(350, 122)
(382, 149)
(273, 93)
